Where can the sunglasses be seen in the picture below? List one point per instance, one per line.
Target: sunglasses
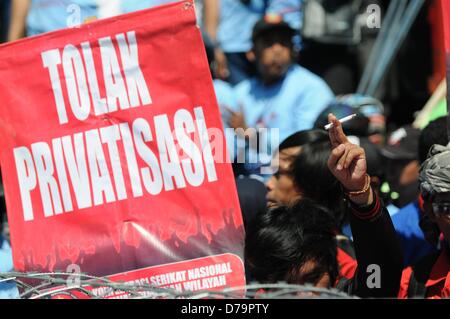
(441, 209)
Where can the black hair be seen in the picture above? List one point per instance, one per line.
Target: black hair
(283, 239)
(315, 181)
(274, 35)
(434, 133)
(303, 137)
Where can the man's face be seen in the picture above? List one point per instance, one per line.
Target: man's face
(439, 212)
(281, 189)
(273, 52)
(309, 275)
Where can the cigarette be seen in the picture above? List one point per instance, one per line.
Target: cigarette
(342, 120)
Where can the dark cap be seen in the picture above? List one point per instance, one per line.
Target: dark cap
(402, 144)
(271, 22)
(358, 126)
(370, 114)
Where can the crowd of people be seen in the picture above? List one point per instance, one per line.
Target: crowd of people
(339, 202)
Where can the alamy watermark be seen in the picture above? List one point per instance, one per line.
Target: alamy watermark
(373, 16)
(74, 18)
(374, 279)
(254, 147)
(73, 281)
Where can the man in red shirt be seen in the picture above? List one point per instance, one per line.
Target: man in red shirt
(430, 277)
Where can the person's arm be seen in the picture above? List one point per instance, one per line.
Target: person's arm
(211, 16)
(19, 12)
(378, 250)
(211, 19)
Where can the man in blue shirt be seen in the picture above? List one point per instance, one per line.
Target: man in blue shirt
(284, 95)
(229, 23)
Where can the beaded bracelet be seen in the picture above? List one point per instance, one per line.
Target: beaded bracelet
(364, 190)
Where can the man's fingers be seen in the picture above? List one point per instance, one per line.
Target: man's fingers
(343, 156)
(340, 136)
(341, 161)
(331, 132)
(336, 132)
(335, 155)
(355, 152)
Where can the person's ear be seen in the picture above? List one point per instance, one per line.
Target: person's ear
(251, 55)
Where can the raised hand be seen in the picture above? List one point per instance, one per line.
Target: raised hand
(347, 163)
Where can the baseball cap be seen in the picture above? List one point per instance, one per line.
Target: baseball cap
(358, 126)
(370, 107)
(271, 22)
(402, 144)
(370, 118)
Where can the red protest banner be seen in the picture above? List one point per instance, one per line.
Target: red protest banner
(198, 275)
(107, 157)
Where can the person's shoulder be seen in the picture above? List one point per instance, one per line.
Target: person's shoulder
(307, 77)
(300, 71)
(407, 212)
